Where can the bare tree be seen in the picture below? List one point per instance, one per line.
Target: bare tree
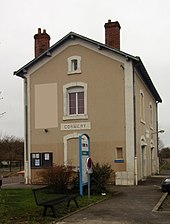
(165, 152)
(11, 148)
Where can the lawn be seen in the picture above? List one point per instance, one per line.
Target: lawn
(18, 206)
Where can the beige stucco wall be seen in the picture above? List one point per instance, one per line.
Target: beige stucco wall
(105, 105)
(144, 129)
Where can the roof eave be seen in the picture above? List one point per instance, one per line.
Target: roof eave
(21, 72)
(48, 53)
(140, 67)
(136, 60)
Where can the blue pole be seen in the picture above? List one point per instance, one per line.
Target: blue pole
(80, 161)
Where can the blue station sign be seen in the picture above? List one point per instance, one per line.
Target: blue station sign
(84, 153)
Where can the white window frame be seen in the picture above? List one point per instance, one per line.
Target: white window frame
(75, 90)
(66, 90)
(70, 61)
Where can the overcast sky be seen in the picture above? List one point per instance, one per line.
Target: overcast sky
(145, 32)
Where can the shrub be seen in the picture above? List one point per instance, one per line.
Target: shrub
(100, 177)
(59, 177)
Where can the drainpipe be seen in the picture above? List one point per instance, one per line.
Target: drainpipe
(26, 156)
(157, 142)
(135, 152)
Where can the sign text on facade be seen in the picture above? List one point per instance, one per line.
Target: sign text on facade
(76, 126)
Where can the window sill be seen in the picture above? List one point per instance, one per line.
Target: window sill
(77, 117)
(142, 121)
(73, 72)
(151, 128)
(119, 160)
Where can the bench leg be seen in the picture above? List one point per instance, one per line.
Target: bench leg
(76, 203)
(68, 203)
(45, 211)
(53, 211)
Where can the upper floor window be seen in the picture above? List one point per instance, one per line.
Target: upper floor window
(75, 100)
(142, 107)
(151, 115)
(74, 64)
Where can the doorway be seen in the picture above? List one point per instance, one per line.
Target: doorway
(152, 161)
(71, 150)
(143, 162)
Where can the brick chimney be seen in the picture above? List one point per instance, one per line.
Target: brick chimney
(112, 34)
(42, 42)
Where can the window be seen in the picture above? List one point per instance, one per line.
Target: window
(119, 153)
(74, 64)
(75, 100)
(142, 107)
(151, 115)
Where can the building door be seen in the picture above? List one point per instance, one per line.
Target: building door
(71, 149)
(73, 152)
(143, 161)
(152, 161)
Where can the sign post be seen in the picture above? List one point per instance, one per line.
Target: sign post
(89, 171)
(84, 154)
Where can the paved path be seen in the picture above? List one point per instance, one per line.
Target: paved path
(14, 182)
(133, 205)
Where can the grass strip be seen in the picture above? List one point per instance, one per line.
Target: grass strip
(18, 206)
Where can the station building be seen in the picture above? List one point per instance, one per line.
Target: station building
(80, 85)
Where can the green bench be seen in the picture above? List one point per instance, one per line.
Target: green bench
(48, 198)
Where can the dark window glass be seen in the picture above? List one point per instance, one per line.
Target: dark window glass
(72, 103)
(81, 103)
(74, 64)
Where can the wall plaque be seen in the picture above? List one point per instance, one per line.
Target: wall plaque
(75, 126)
